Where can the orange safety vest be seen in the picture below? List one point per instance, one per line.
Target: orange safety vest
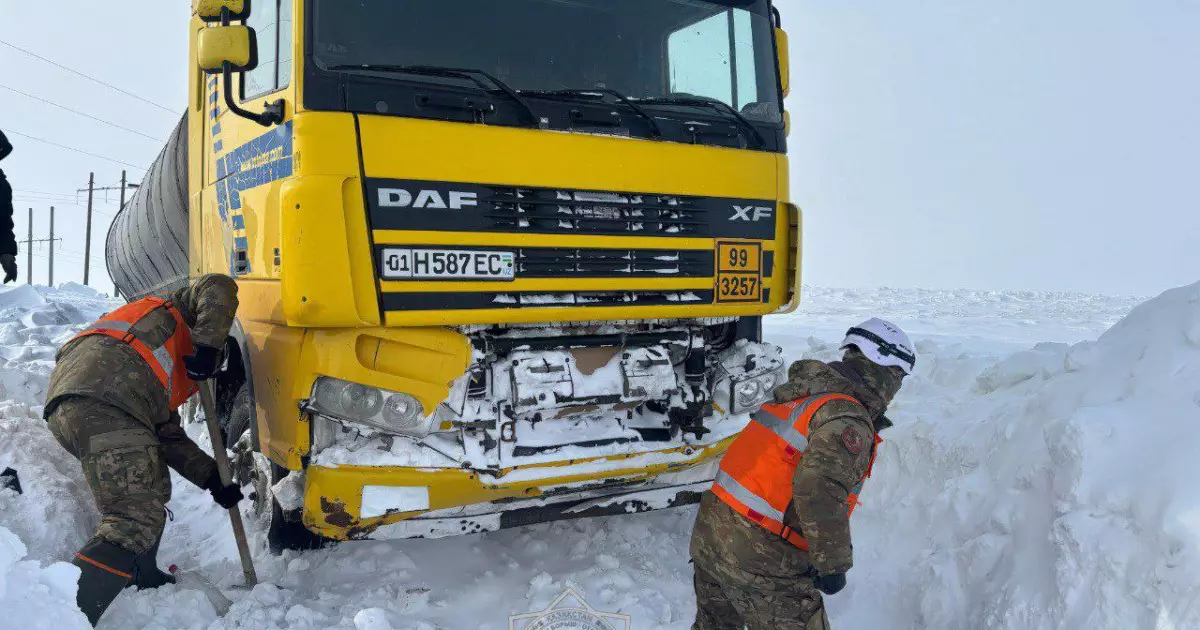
(756, 474)
(167, 359)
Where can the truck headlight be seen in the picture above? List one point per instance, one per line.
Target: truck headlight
(748, 393)
(388, 411)
(744, 394)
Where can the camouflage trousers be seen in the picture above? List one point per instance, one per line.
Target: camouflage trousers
(729, 600)
(123, 463)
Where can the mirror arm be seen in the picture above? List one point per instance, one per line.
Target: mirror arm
(271, 115)
(273, 112)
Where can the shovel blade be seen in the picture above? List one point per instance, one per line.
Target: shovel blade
(197, 582)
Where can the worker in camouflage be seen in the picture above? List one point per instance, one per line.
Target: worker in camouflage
(108, 408)
(748, 576)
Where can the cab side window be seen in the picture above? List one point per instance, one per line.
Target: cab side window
(272, 22)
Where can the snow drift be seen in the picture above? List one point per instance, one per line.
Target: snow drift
(1024, 486)
(38, 598)
(1056, 492)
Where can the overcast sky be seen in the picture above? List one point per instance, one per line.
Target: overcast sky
(1026, 144)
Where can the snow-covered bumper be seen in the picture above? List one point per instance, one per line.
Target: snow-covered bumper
(540, 427)
(386, 502)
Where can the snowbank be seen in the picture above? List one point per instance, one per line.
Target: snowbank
(36, 597)
(34, 321)
(1023, 486)
(55, 515)
(1057, 492)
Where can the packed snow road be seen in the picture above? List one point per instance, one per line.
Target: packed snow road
(1024, 486)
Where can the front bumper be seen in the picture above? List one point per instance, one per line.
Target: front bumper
(463, 501)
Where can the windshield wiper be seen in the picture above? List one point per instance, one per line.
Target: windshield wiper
(470, 74)
(658, 133)
(721, 106)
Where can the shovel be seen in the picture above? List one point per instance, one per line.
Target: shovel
(193, 580)
(218, 444)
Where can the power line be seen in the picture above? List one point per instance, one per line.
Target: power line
(21, 193)
(63, 146)
(79, 113)
(41, 192)
(90, 78)
(45, 197)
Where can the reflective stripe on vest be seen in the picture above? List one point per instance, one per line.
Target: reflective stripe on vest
(748, 498)
(786, 429)
(755, 477)
(165, 360)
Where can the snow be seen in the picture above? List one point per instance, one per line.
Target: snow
(46, 524)
(40, 597)
(1039, 476)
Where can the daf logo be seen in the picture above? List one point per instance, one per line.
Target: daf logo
(751, 213)
(433, 199)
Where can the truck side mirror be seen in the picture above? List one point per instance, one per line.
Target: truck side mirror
(785, 72)
(213, 10)
(227, 49)
(221, 45)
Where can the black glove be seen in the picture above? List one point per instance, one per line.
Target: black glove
(9, 262)
(204, 364)
(830, 584)
(225, 496)
(10, 481)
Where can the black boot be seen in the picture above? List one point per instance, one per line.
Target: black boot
(106, 569)
(146, 573)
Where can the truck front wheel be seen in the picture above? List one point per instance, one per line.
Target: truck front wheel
(252, 468)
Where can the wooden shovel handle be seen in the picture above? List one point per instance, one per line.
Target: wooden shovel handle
(222, 458)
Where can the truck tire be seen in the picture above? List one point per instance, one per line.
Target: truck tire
(253, 468)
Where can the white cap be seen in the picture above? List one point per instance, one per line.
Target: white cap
(883, 343)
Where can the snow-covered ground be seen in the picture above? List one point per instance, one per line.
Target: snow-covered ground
(1028, 483)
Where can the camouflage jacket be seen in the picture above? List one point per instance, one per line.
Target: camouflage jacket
(107, 369)
(841, 438)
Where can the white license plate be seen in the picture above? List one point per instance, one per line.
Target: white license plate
(443, 264)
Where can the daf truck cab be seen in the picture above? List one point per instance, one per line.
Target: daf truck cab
(499, 262)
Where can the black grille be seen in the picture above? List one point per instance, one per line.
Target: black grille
(549, 262)
(524, 209)
(468, 207)
(602, 298)
(545, 299)
(597, 263)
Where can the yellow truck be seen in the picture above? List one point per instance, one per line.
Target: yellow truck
(499, 262)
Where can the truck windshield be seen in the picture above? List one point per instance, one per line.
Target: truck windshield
(644, 49)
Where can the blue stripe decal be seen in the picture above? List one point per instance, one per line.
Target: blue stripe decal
(216, 128)
(223, 200)
(218, 146)
(263, 160)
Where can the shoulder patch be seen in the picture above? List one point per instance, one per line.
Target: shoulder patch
(853, 441)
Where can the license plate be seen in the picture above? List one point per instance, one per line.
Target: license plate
(447, 264)
(739, 271)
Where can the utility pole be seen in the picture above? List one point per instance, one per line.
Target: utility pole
(87, 244)
(29, 251)
(30, 242)
(51, 246)
(91, 190)
(123, 185)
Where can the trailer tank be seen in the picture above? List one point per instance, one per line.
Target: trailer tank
(147, 245)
